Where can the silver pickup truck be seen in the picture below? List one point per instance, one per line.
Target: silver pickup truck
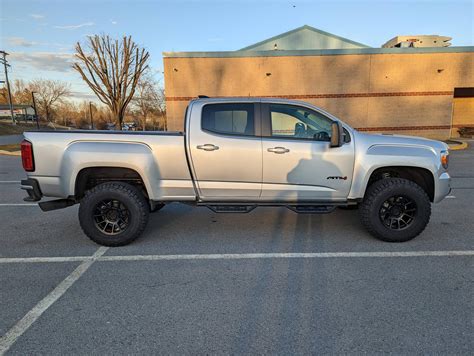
(237, 154)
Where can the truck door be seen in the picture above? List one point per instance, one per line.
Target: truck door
(298, 162)
(226, 150)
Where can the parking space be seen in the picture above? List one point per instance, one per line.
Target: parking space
(270, 281)
(23, 285)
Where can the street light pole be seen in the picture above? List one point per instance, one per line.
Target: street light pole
(5, 64)
(34, 107)
(90, 113)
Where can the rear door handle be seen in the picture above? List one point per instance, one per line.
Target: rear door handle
(278, 150)
(207, 147)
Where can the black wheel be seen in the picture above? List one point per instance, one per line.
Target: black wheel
(113, 214)
(395, 210)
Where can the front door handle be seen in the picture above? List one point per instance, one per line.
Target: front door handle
(278, 150)
(207, 147)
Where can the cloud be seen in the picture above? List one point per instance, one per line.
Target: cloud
(20, 42)
(85, 96)
(59, 62)
(37, 16)
(113, 22)
(74, 27)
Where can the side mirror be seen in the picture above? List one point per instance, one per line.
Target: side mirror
(337, 134)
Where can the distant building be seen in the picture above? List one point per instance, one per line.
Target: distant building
(426, 91)
(304, 37)
(418, 41)
(21, 112)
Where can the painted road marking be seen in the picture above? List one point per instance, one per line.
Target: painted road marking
(450, 197)
(19, 204)
(45, 259)
(237, 256)
(24, 324)
(233, 256)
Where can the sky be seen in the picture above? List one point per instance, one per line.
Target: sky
(40, 34)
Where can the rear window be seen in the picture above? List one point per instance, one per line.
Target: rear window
(231, 119)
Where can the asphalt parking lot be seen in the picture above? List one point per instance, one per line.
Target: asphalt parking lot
(270, 281)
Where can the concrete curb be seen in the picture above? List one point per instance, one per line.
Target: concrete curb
(457, 145)
(8, 153)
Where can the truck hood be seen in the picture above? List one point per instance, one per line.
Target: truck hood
(375, 139)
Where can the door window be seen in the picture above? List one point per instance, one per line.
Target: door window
(230, 119)
(300, 123)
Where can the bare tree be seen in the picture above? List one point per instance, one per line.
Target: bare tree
(147, 97)
(112, 69)
(21, 93)
(48, 94)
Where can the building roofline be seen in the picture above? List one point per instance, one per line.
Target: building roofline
(305, 27)
(318, 52)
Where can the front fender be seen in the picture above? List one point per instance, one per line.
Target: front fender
(385, 155)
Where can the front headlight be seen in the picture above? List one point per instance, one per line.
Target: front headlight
(445, 159)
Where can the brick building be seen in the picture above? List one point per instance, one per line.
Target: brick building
(420, 91)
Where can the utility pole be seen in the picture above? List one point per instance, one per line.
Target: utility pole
(5, 65)
(90, 113)
(36, 112)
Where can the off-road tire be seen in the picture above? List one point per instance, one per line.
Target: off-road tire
(129, 197)
(382, 190)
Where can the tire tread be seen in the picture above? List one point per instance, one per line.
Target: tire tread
(378, 188)
(122, 188)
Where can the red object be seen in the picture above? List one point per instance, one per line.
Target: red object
(27, 158)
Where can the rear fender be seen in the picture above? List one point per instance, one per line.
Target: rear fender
(135, 156)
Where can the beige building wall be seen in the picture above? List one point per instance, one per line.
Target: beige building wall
(393, 93)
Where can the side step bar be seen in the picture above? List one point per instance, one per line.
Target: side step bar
(231, 208)
(244, 208)
(312, 209)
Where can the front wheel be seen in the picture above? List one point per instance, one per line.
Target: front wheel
(113, 214)
(395, 210)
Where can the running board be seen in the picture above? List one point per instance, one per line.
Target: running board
(246, 208)
(231, 208)
(312, 209)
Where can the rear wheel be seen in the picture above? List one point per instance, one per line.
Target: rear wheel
(395, 210)
(113, 214)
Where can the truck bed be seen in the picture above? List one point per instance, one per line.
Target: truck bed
(159, 158)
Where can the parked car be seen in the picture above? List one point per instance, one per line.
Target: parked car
(237, 154)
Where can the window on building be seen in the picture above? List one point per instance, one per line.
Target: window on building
(233, 119)
(296, 122)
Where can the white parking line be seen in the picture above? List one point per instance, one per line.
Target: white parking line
(238, 256)
(44, 259)
(19, 204)
(450, 197)
(24, 324)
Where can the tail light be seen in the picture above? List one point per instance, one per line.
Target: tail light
(27, 158)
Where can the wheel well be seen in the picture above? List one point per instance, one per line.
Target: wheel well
(421, 176)
(88, 178)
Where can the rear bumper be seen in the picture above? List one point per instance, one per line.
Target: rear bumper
(443, 187)
(32, 188)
